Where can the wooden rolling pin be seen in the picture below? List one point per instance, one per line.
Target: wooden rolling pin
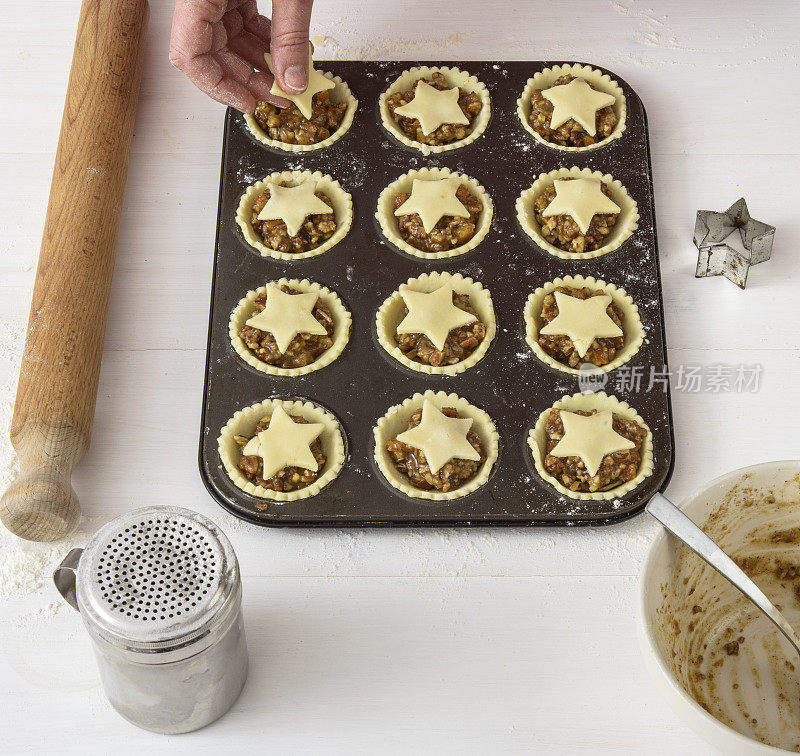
(57, 389)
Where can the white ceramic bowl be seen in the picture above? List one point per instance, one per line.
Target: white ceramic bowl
(771, 477)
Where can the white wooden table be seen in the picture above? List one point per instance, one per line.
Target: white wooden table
(482, 641)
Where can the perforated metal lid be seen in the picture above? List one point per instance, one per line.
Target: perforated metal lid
(157, 578)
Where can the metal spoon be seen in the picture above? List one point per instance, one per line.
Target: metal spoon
(677, 523)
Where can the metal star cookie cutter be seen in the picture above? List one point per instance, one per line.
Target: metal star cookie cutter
(731, 242)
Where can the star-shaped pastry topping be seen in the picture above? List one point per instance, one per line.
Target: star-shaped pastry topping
(317, 82)
(432, 107)
(581, 199)
(432, 314)
(284, 443)
(583, 320)
(432, 200)
(590, 438)
(576, 100)
(286, 315)
(441, 438)
(293, 204)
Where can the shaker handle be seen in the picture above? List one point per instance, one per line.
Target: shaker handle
(65, 575)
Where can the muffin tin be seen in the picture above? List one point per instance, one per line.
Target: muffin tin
(510, 383)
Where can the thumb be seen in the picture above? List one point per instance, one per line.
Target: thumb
(289, 43)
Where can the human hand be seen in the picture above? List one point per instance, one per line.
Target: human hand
(220, 46)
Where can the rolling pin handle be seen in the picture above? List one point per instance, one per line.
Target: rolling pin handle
(40, 504)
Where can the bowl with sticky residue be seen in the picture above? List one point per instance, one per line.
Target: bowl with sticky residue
(721, 664)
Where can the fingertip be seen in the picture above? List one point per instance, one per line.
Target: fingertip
(295, 78)
(290, 44)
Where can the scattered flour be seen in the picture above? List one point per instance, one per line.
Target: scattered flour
(25, 567)
(41, 614)
(343, 41)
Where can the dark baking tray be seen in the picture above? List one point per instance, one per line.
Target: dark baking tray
(510, 383)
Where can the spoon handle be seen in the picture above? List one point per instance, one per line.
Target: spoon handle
(677, 523)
